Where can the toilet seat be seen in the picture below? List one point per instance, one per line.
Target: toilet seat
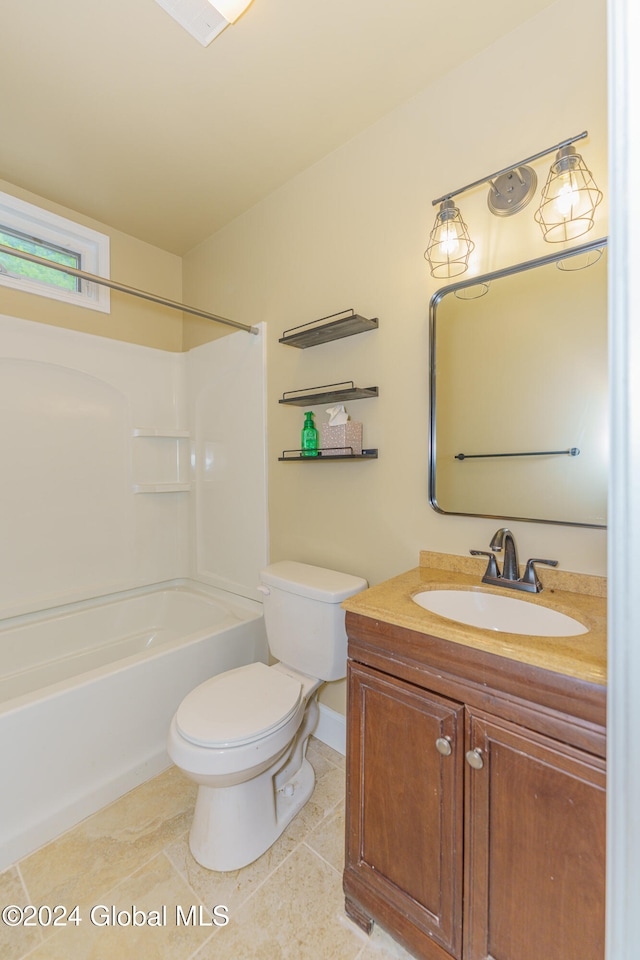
(236, 707)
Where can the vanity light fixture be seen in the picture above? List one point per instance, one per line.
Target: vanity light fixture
(569, 198)
(449, 243)
(566, 211)
(510, 192)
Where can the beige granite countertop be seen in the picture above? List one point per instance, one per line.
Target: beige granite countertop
(576, 595)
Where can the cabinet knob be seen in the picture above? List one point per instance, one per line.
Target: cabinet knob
(474, 758)
(443, 746)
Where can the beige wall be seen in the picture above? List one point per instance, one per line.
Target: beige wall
(350, 232)
(133, 263)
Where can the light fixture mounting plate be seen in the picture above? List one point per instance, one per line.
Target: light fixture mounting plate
(512, 191)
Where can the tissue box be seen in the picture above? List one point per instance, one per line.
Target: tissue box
(334, 439)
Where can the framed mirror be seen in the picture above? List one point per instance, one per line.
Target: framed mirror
(518, 383)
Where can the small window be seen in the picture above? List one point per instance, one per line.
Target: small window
(24, 226)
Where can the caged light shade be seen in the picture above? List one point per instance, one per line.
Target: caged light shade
(449, 243)
(569, 198)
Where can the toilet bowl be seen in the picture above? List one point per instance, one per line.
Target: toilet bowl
(242, 734)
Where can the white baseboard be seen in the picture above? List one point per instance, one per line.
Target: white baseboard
(332, 729)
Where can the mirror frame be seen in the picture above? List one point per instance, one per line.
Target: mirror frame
(433, 304)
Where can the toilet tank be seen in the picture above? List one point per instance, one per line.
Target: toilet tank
(303, 617)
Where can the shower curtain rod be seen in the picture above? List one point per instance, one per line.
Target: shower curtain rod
(123, 288)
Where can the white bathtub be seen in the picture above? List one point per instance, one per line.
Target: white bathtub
(87, 692)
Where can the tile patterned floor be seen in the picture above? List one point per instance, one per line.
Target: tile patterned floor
(288, 905)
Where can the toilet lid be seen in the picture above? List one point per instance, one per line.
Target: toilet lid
(238, 706)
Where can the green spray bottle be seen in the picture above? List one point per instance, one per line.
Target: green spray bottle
(309, 437)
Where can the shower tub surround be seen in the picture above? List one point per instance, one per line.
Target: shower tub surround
(88, 690)
(133, 532)
(127, 465)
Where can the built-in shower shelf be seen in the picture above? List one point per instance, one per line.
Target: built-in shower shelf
(161, 487)
(160, 461)
(161, 434)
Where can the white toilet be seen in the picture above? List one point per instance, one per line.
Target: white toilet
(242, 735)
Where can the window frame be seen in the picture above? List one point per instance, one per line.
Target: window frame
(50, 228)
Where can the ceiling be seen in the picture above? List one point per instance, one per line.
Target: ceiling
(113, 110)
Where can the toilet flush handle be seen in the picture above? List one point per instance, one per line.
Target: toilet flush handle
(262, 589)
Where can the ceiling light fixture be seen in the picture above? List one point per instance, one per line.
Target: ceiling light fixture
(204, 19)
(566, 211)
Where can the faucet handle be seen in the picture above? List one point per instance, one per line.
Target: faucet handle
(530, 575)
(492, 567)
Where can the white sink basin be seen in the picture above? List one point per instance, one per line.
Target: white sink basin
(491, 611)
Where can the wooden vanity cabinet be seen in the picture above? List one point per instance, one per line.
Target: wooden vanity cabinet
(405, 803)
(475, 800)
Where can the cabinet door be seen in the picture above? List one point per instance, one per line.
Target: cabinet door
(404, 833)
(535, 871)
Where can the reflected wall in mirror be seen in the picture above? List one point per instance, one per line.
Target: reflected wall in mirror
(519, 419)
